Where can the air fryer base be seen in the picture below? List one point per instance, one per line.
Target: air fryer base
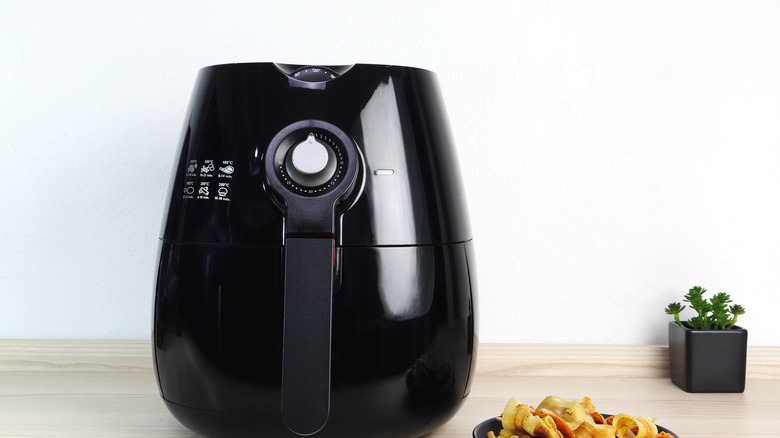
(394, 424)
(404, 369)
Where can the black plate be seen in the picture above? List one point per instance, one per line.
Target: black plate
(486, 426)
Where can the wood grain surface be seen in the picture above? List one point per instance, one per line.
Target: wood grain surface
(108, 389)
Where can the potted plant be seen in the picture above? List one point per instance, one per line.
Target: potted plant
(708, 352)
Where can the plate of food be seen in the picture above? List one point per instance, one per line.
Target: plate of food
(558, 418)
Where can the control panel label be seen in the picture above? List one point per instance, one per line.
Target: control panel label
(208, 180)
(189, 190)
(203, 190)
(207, 168)
(223, 192)
(226, 169)
(192, 167)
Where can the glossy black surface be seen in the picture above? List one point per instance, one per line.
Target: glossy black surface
(403, 343)
(396, 117)
(384, 245)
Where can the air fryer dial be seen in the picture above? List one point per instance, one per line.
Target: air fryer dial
(314, 74)
(310, 161)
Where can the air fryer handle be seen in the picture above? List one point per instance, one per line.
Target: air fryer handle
(308, 282)
(310, 213)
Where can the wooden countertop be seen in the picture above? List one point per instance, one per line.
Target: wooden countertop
(108, 389)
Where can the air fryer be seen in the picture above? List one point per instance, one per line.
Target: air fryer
(316, 270)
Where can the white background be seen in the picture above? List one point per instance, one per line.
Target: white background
(615, 153)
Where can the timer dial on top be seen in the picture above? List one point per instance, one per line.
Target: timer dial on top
(314, 74)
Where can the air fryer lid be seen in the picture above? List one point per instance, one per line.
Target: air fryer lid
(311, 166)
(410, 185)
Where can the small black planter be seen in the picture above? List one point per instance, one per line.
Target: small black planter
(708, 360)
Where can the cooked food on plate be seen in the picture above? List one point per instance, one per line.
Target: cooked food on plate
(555, 417)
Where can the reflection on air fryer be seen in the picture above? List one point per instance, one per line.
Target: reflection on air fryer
(406, 280)
(381, 127)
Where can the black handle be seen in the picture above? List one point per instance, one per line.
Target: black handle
(310, 226)
(308, 297)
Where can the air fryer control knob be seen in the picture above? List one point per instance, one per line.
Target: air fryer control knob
(310, 163)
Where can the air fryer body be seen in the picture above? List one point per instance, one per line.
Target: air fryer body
(402, 341)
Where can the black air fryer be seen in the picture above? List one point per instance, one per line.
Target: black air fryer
(316, 270)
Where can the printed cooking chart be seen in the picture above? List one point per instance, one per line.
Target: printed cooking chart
(208, 180)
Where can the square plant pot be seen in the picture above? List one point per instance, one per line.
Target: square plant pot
(708, 360)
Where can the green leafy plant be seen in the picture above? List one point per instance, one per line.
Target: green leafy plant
(712, 314)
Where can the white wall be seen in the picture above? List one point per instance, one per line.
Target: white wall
(615, 152)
